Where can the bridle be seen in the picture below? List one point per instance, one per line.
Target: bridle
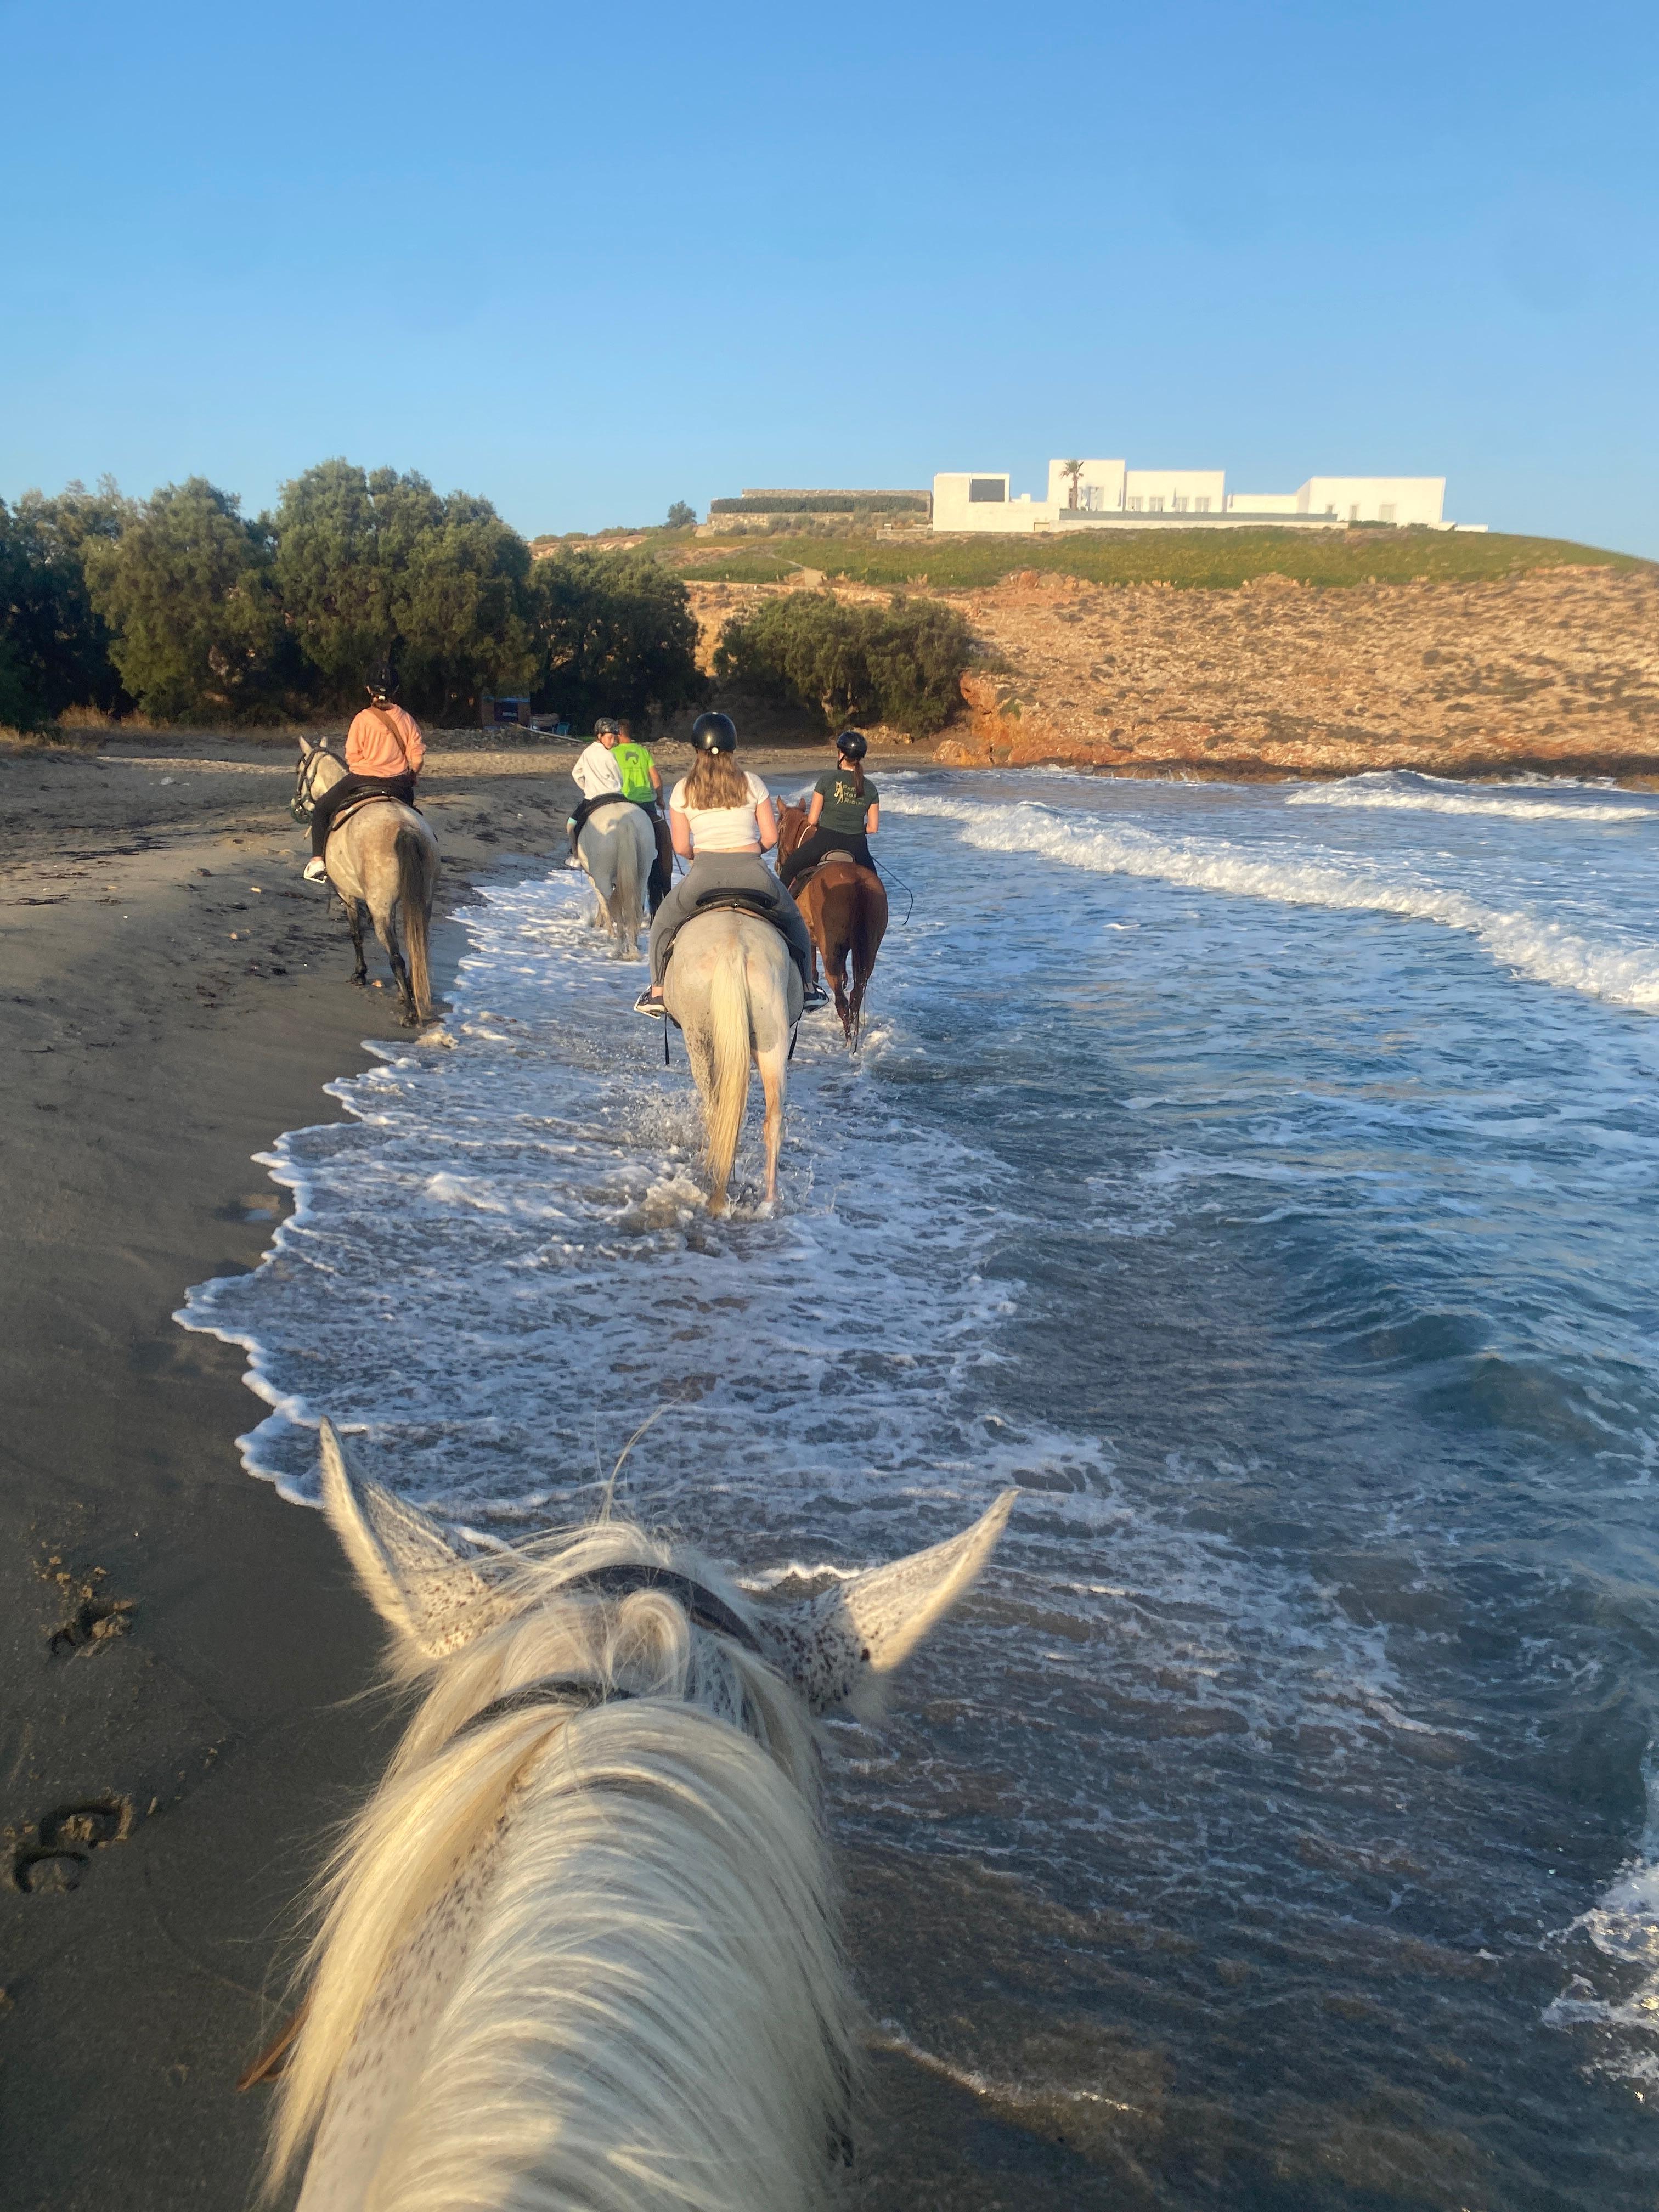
(701, 1607)
(303, 805)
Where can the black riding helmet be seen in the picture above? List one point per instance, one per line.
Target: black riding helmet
(383, 684)
(851, 744)
(714, 733)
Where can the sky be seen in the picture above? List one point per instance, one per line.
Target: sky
(589, 260)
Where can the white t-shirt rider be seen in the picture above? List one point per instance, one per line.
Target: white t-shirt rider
(722, 828)
(595, 771)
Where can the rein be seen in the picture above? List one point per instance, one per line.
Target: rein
(905, 888)
(701, 1606)
(303, 805)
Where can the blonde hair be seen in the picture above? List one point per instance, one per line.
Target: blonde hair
(716, 781)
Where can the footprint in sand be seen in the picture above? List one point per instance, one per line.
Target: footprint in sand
(95, 1622)
(63, 1842)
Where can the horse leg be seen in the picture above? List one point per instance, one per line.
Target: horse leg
(385, 928)
(774, 1065)
(355, 923)
(837, 931)
(405, 989)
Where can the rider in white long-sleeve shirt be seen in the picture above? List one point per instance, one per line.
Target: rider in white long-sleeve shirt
(597, 775)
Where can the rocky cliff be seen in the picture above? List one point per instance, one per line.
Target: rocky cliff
(1555, 670)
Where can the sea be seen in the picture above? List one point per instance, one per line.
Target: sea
(1262, 1181)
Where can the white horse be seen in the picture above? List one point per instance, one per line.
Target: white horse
(383, 856)
(616, 845)
(735, 994)
(579, 1949)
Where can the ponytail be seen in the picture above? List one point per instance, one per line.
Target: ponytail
(857, 767)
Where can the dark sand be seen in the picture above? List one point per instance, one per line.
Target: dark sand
(169, 1775)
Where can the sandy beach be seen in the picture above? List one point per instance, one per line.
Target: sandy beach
(191, 1706)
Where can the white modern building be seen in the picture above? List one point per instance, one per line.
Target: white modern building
(1093, 495)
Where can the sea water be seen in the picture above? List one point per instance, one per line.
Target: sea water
(1263, 1181)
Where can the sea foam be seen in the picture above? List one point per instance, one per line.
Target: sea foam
(1515, 803)
(1516, 937)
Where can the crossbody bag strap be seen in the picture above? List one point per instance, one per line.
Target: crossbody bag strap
(392, 731)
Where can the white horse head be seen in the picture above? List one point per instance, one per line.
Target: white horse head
(579, 1947)
(616, 846)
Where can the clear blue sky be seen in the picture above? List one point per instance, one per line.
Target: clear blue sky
(588, 260)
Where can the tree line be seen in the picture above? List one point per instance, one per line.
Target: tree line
(180, 607)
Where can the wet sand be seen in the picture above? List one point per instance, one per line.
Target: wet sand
(189, 1706)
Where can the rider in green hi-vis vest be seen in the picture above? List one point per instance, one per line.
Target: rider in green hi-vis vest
(639, 783)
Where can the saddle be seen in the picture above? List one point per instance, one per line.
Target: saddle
(764, 903)
(832, 860)
(359, 800)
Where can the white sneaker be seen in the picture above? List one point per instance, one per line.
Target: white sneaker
(316, 872)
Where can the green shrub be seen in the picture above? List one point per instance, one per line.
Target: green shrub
(902, 664)
(822, 502)
(56, 648)
(1215, 559)
(188, 594)
(372, 562)
(610, 633)
(21, 707)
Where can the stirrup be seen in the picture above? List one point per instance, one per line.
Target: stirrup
(316, 870)
(645, 1003)
(813, 1000)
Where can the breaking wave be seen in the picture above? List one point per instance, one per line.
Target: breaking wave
(1516, 937)
(1412, 795)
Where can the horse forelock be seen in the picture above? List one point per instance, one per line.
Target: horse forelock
(704, 1725)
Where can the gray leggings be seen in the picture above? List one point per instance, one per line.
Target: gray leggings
(735, 872)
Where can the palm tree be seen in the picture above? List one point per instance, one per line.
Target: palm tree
(1074, 470)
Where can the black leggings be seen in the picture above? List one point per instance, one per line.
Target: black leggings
(817, 846)
(352, 786)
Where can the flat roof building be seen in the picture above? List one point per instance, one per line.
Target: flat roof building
(1085, 494)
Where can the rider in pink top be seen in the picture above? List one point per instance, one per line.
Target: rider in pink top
(384, 751)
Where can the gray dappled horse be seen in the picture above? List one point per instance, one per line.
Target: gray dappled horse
(381, 855)
(581, 1948)
(735, 994)
(616, 845)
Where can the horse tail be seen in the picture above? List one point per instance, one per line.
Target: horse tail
(728, 1037)
(415, 889)
(626, 897)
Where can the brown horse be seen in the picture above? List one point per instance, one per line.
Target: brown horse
(845, 911)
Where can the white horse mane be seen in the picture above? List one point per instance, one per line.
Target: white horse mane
(584, 1953)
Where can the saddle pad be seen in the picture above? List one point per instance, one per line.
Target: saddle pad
(832, 861)
(357, 803)
(764, 903)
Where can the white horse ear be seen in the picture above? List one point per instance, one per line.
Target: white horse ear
(837, 1648)
(431, 1597)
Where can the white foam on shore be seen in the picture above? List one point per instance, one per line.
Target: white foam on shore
(1622, 1927)
(502, 1262)
(1515, 803)
(1517, 938)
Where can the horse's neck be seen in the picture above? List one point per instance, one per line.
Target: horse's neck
(327, 771)
(389, 2054)
(642, 2000)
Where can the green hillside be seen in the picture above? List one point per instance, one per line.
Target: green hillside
(1212, 560)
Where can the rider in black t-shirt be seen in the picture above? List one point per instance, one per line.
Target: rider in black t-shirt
(844, 815)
